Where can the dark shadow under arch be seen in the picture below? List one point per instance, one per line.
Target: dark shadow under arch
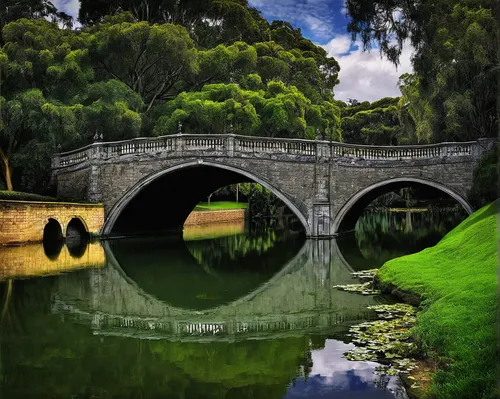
(346, 219)
(157, 204)
(52, 239)
(77, 237)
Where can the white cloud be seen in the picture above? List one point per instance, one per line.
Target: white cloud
(340, 44)
(70, 7)
(366, 76)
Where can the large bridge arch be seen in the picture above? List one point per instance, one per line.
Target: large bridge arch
(364, 196)
(122, 203)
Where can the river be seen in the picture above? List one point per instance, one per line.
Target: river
(230, 311)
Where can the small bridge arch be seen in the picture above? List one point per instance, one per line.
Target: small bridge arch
(118, 208)
(349, 212)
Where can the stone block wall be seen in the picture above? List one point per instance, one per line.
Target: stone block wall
(319, 181)
(24, 221)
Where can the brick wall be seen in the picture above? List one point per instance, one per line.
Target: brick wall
(207, 217)
(24, 221)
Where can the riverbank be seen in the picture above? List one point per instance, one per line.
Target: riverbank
(456, 284)
(21, 196)
(219, 206)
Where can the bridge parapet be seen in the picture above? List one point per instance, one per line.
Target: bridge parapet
(248, 146)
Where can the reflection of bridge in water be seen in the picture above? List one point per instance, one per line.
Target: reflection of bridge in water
(298, 298)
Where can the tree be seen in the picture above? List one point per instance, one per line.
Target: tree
(151, 60)
(26, 119)
(12, 10)
(455, 59)
(376, 123)
(278, 110)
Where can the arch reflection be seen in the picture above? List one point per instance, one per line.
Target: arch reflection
(204, 273)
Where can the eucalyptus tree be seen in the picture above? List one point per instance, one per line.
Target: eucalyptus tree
(455, 60)
(210, 22)
(153, 60)
(275, 109)
(12, 10)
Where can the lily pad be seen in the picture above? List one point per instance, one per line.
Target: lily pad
(387, 340)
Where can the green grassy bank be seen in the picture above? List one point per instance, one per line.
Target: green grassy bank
(457, 326)
(220, 205)
(20, 196)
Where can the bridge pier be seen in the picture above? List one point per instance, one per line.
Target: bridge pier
(323, 183)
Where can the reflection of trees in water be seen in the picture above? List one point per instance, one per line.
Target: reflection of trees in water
(383, 235)
(247, 250)
(416, 196)
(57, 358)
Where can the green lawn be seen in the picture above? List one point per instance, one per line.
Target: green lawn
(220, 205)
(457, 327)
(19, 196)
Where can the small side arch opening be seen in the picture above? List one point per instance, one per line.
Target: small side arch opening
(52, 238)
(77, 237)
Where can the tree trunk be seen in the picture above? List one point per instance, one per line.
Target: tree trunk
(7, 171)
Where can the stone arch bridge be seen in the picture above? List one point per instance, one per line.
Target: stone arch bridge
(152, 184)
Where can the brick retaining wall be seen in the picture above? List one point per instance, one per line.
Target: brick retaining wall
(24, 221)
(207, 217)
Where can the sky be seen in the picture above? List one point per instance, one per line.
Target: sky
(364, 76)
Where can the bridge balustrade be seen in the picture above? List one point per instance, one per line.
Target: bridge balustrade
(273, 145)
(233, 145)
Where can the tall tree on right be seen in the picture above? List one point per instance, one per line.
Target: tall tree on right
(456, 58)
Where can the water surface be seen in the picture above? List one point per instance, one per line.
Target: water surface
(230, 313)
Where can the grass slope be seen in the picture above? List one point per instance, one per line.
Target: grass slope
(220, 205)
(457, 327)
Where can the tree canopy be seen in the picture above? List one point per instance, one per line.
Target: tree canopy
(139, 67)
(454, 91)
(124, 76)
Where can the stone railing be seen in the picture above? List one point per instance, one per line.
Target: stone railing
(244, 146)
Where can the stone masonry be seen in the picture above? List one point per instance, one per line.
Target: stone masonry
(320, 181)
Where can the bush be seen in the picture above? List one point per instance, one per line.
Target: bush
(19, 196)
(485, 184)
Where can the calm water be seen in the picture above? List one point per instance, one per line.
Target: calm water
(224, 313)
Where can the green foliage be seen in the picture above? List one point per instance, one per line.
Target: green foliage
(453, 94)
(220, 205)
(457, 280)
(370, 124)
(12, 10)
(486, 179)
(277, 111)
(19, 196)
(123, 76)
(262, 202)
(150, 59)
